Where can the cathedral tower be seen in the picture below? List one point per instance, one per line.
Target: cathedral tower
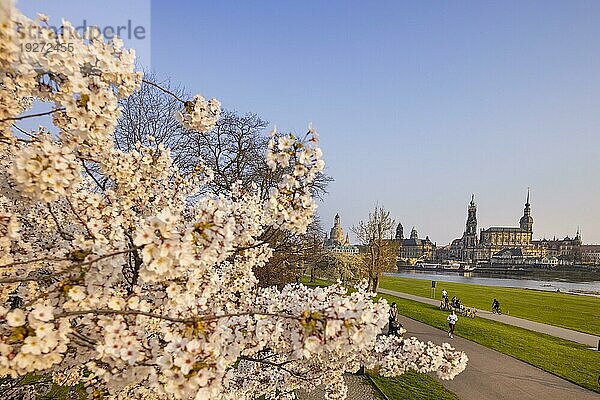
(469, 239)
(472, 218)
(526, 222)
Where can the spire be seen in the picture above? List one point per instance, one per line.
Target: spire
(473, 199)
(526, 222)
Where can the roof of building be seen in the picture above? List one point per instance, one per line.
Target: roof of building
(513, 252)
(416, 242)
(588, 248)
(504, 229)
(411, 242)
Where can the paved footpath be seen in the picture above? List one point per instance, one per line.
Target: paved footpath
(568, 334)
(491, 375)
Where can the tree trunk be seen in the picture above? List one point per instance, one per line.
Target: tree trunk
(375, 284)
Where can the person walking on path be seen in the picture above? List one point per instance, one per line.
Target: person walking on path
(452, 318)
(444, 303)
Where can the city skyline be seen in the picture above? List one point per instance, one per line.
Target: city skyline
(480, 226)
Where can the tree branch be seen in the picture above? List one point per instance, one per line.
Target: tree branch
(81, 264)
(32, 115)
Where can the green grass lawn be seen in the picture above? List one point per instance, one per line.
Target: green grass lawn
(412, 386)
(580, 313)
(566, 359)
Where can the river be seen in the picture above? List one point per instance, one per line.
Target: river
(564, 282)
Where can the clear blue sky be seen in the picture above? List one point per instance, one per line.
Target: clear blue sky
(419, 104)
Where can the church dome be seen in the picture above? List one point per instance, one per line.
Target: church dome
(526, 219)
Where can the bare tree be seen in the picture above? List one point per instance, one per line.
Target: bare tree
(235, 150)
(150, 112)
(376, 234)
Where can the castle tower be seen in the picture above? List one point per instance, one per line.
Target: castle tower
(399, 232)
(526, 222)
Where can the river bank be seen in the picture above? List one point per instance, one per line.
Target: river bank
(581, 282)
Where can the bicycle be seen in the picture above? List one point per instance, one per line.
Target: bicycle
(444, 306)
(497, 310)
(471, 312)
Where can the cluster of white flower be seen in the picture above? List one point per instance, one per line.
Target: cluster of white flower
(200, 115)
(393, 355)
(166, 254)
(140, 181)
(290, 204)
(121, 273)
(36, 340)
(45, 170)
(18, 82)
(84, 82)
(119, 343)
(338, 332)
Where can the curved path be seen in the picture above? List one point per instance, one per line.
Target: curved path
(491, 375)
(567, 334)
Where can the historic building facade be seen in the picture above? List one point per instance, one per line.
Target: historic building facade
(413, 248)
(337, 240)
(590, 253)
(514, 244)
(496, 239)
